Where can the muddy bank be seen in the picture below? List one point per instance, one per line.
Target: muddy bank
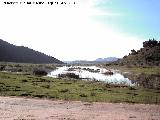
(36, 109)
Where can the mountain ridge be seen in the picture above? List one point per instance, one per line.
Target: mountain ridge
(21, 54)
(97, 61)
(108, 59)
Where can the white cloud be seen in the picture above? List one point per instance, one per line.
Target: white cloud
(67, 33)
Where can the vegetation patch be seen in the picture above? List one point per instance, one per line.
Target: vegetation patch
(68, 75)
(64, 90)
(83, 95)
(147, 56)
(71, 89)
(40, 72)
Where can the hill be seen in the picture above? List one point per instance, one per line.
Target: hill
(21, 54)
(82, 62)
(97, 61)
(108, 59)
(149, 55)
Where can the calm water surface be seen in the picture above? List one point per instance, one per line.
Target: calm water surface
(92, 73)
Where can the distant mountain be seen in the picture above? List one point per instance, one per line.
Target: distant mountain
(108, 59)
(149, 55)
(80, 62)
(97, 61)
(21, 54)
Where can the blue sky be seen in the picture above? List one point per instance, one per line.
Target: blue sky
(138, 17)
(87, 30)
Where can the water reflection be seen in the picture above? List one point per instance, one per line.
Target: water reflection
(93, 73)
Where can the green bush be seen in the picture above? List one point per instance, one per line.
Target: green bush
(40, 72)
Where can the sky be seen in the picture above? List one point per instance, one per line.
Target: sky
(81, 30)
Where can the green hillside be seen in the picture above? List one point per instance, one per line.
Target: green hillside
(149, 55)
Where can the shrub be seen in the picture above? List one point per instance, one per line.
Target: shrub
(133, 52)
(2, 67)
(40, 72)
(69, 75)
(46, 86)
(83, 95)
(25, 94)
(39, 96)
(64, 90)
(19, 70)
(24, 80)
(93, 94)
(132, 88)
(150, 43)
(108, 73)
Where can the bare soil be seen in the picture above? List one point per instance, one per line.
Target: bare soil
(14, 108)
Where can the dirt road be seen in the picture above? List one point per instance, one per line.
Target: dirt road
(36, 109)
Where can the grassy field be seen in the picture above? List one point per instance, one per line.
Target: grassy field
(26, 67)
(12, 84)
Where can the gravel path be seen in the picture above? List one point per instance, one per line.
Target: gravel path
(13, 108)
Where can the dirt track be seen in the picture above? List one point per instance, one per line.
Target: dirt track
(35, 109)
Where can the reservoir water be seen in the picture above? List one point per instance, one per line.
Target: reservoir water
(93, 73)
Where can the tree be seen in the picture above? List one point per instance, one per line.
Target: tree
(151, 43)
(133, 52)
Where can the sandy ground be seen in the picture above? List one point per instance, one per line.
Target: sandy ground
(13, 108)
